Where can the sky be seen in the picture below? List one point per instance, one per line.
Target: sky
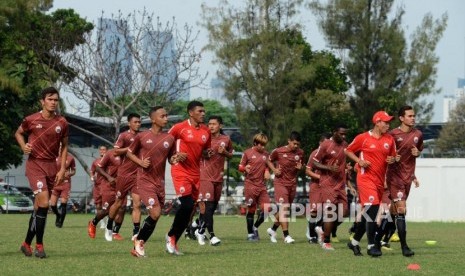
(450, 50)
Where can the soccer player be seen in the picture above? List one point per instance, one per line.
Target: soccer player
(330, 159)
(315, 202)
(376, 149)
(96, 178)
(62, 191)
(285, 162)
(401, 174)
(125, 183)
(254, 165)
(150, 150)
(192, 141)
(211, 179)
(47, 138)
(107, 167)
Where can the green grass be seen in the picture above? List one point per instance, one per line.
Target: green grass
(71, 251)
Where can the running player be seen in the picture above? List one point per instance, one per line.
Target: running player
(47, 138)
(96, 178)
(150, 150)
(107, 167)
(192, 141)
(401, 174)
(330, 159)
(285, 162)
(62, 191)
(254, 165)
(125, 183)
(376, 149)
(211, 179)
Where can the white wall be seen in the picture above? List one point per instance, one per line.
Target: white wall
(440, 196)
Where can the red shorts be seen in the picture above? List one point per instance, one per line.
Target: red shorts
(284, 194)
(256, 195)
(399, 191)
(97, 194)
(124, 185)
(108, 195)
(314, 196)
(210, 191)
(337, 197)
(370, 194)
(187, 185)
(41, 174)
(62, 190)
(151, 195)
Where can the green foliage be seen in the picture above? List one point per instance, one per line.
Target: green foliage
(268, 68)
(385, 72)
(450, 141)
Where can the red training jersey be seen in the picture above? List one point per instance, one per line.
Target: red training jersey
(127, 167)
(45, 135)
(70, 164)
(404, 170)
(257, 161)
(158, 148)
(212, 169)
(331, 153)
(313, 168)
(110, 163)
(286, 160)
(375, 151)
(192, 141)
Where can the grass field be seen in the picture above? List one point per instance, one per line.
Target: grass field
(71, 251)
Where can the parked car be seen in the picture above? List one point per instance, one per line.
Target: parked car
(26, 191)
(13, 201)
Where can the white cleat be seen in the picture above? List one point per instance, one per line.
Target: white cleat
(200, 237)
(215, 241)
(289, 240)
(134, 237)
(103, 223)
(170, 244)
(108, 235)
(307, 234)
(138, 250)
(327, 246)
(320, 234)
(272, 235)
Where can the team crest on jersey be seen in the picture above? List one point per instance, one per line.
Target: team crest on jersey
(58, 129)
(39, 126)
(386, 145)
(182, 190)
(204, 138)
(166, 144)
(151, 201)
(200, 196)
(264, 158)
(40, 184)
(118, 194)
(297, 158)
(149, 141)
(250, 201)
(371, 198)
(105, 205)
(223, 144)
(400, 195)
(415, 140)
(207, 196)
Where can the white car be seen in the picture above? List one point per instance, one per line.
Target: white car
(13, 201)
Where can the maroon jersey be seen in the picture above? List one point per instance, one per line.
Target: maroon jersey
(286, 160)
(192, 141)
(70, 164)
(97, 177)
(110, 163)
(45, 135)
(257, 161)
(312, 167)
(127, 167)
(331, 153)
(404, 170)
(212, 169)
(156, 147)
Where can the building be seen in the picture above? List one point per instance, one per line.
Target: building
(450, 101)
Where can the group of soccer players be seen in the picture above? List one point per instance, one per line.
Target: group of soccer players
(197, 151)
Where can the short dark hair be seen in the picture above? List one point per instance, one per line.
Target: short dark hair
(324, 136)
(154, 109)
(216, 117)
(295, 136)
(193, 104)
(49, 91)
(403, 109)
(339, 126)
(133, 115)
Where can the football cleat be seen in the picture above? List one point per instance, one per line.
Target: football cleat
(289, 240)
(91, 230)
(108, 235)
(26, 249)
(39, 252)
(117, 236)
(355, 249)
(215, 241)
(200, 237)
(327, 246)
(272, 235)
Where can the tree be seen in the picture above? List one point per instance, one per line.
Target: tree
(128, 56)
(451, 136)
(268, 68)
(31, 47)
(385, 72)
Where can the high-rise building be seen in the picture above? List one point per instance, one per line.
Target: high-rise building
(114, 56)
(450, 101)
